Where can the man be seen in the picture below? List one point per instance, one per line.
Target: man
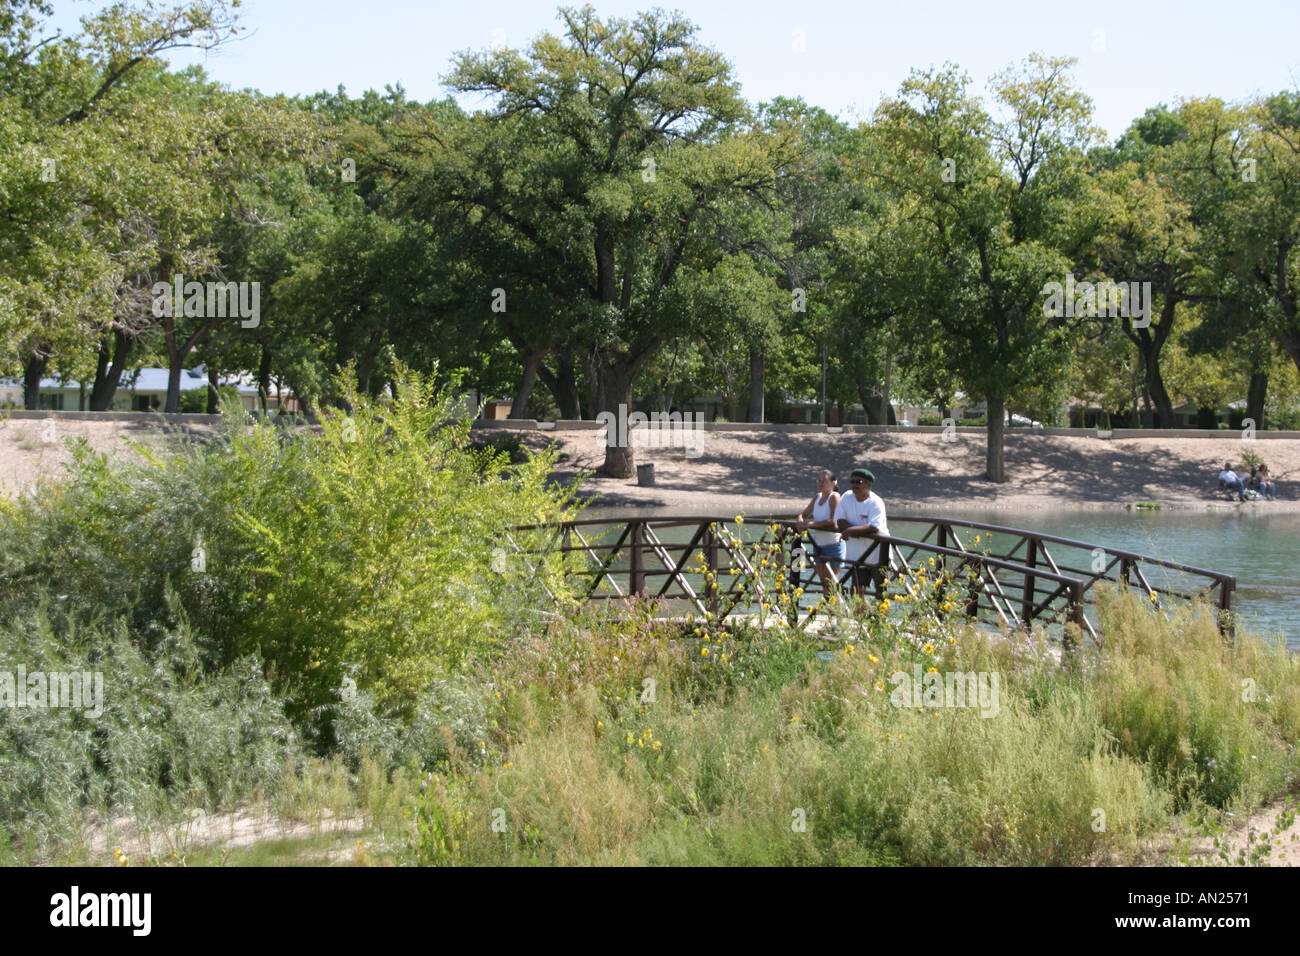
(860, 516)
(1228, 480)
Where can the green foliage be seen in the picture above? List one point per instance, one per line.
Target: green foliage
(170, 736)
(795, 760)
(1214, 721)
(377, 550)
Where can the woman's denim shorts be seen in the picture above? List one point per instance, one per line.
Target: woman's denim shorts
(832, 553)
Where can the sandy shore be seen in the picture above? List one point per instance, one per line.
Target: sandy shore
(753, 471)
(774, 471)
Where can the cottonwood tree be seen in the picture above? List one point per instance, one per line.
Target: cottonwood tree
(1241, 170)
(64, 237)
(979, 226)
(616, 146)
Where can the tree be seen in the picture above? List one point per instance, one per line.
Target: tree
(613, 150)
(979, 226)
(65, 241)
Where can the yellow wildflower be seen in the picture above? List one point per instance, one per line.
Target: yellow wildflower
(704, 652)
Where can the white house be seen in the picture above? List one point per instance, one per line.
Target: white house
(142, 390)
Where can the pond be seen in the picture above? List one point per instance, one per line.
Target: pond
(1261, 549)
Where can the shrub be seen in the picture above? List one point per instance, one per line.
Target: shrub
(168, 734)
(379, 549)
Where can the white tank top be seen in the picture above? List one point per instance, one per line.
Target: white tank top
(822, 512)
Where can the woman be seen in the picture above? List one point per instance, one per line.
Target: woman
(819, 517)
(1267, 487)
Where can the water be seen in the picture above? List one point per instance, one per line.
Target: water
(1262, 550)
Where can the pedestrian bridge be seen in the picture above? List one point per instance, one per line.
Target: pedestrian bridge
(1004, 577)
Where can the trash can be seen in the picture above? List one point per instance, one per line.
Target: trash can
(645, 474)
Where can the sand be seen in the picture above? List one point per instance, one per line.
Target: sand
(775, 471)
(752, 471)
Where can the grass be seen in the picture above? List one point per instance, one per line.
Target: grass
(1090, 761)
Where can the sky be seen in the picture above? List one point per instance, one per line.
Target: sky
(844, 57)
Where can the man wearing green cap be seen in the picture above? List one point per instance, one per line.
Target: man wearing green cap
(861, 516)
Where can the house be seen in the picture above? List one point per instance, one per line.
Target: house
(141, 390)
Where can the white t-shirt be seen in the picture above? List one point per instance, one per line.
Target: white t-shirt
(855, 512)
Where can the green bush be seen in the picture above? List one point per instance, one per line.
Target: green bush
(195, 401)
(929, 420)
(379, 548)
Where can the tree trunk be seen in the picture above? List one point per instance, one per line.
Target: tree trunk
(33, 372)
(995, 469)
(214, 397)
(531, 364)
(615, 385)
(756, 410)
(109, 376)
(264, 381)
(877, 407)
(1255, 398)
(173, 388)
(1150, 341)
(1155, 387)
(566, 384)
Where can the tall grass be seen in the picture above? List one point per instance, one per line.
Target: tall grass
(1087, 760)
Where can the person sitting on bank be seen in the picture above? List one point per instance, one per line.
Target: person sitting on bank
(819, 517)
(1265, 483)
(1228, 481)
(860, 516)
